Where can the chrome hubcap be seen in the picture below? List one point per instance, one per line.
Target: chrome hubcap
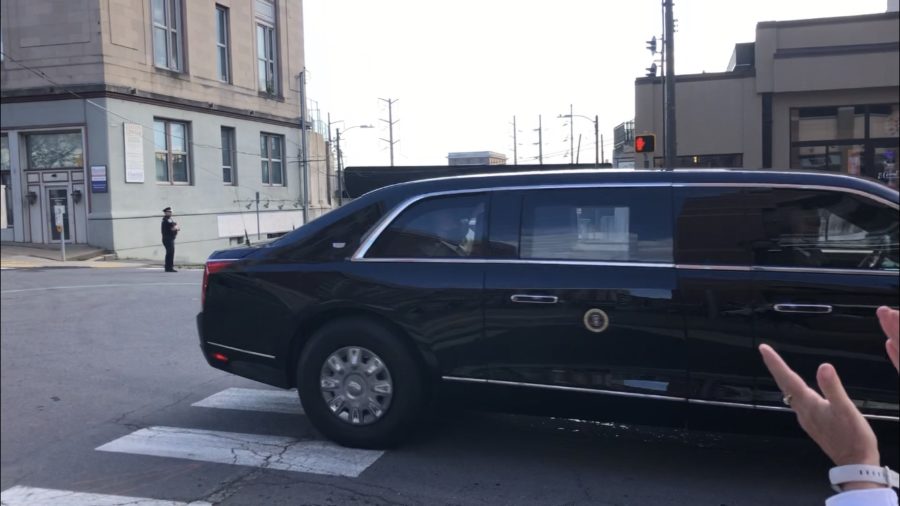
(356, 385)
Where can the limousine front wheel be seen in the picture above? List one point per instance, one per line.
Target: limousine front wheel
(359, 384)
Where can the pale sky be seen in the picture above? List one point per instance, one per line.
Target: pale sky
(461, 69)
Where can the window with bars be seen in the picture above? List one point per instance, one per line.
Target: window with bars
(168, 42)
(271, 154)
(170, 140)
(223, 43)
(266, 47)
(228, 156)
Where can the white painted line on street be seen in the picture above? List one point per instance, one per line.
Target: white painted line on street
(254, 399)
(269, 452)
(29, 496)
(117, 285)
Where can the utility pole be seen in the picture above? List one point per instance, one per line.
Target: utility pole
(328, 162)
(304, 145)
(597, 140)
(515, 144)
(602, 151)
(340, 172)
(578, 157)
(540, 142)
(571, 135)
(390, 121)
(671, 144)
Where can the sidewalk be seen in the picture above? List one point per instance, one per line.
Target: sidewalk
(25, 256)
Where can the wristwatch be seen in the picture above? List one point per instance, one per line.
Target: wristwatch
(870, 474)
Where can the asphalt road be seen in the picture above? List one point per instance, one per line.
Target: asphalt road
(101, 370)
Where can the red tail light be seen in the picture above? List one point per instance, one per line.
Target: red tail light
(212, 267)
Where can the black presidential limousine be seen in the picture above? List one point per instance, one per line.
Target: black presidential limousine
(634, 295)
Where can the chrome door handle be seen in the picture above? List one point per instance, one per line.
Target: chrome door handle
(803, 308)
(535, 299)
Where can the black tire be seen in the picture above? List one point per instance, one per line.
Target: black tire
(409, 388)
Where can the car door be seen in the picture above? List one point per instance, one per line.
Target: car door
(578, 294)
(713, 228)
(829, 260)
(424, 271)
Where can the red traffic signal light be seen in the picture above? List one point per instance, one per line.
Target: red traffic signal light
(644, 143)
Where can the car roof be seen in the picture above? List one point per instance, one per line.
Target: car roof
(638, 177)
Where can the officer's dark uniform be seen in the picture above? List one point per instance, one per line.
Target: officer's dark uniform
(168, 240)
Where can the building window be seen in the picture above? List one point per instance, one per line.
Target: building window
(228, 156)
(57, 150)
(223, 51)
(170, 140)
(271, 154)
(266, 47)
(168, 45)
(6, 178)
(854, 139)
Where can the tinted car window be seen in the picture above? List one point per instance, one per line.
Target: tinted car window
(828, 229)
(337, 241)
(440, 227)
(597, 224)
(717, 225)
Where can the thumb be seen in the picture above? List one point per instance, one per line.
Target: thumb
(832, 388)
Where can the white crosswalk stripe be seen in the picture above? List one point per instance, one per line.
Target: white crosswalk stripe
(254, 399)
(28, 496)
(270, 452)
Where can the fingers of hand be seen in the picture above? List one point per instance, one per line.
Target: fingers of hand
(893, 352)
(787, 380)
(890, 322)
(833, 389)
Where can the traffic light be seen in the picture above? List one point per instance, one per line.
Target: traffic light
(651, 70)
(651, 44)
(644, 143)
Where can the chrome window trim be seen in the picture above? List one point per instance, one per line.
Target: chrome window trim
(483, 381)
(242, 351)
(452, 260)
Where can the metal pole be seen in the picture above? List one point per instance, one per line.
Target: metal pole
(571, 135)
(340, 168)
(328, 185)
(257, 216)
(515, 144)
(62, 242)
(304, 134)
(671, 144)
(602, 151)
(596, 141)
(578, 157)
(540, 141)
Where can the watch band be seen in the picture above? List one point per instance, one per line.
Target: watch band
(871, 474)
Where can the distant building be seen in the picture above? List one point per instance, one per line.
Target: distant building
(115, 109)
(818, 94)
(623, 145)
(476, 158)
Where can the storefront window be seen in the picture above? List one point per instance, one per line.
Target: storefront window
(6, 178)
(828, 123)
(859, 140)
(58, 150)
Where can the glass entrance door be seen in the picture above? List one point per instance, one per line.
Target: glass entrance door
(58, 196)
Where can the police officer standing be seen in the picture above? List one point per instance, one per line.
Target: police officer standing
(169, 230)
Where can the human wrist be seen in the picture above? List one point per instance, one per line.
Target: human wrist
(860, 485)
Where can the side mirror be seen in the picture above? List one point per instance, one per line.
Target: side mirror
(32, 198)
(76, 196)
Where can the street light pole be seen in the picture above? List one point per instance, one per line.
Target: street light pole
(571, 136)
(340, 160)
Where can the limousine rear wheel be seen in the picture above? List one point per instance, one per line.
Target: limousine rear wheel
(359, 384)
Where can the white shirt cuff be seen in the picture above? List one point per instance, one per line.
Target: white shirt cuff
(866, 497)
